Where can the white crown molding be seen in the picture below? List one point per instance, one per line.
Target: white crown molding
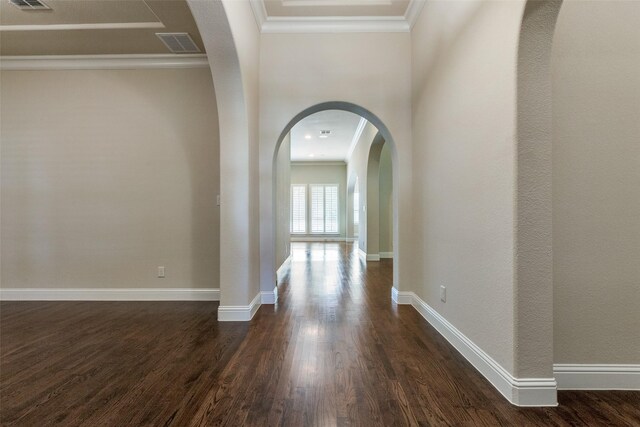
(338, 24)
(102, 62)
(109, 294)
(71, 27)
(259, 12)
(239, 313)
(356, 137)
(335, 24)
(413, 11)
(597, 377)
(318, 163)
(519, 391)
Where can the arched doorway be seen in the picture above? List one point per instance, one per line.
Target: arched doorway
(382, 136)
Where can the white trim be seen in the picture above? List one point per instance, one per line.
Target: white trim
(284, 265)
(317, 239)
(318, 163)
(356, 137)
(336, 24)
(362, 253)
(269, 297)
(597, 377)
(102, 62)
(519, 391)
(401, 297)
(373, 257)
(109, 294)
(386, 255)
(413, 11)
(239, 313)
(259, 12)
(352, 239)
(96, 26)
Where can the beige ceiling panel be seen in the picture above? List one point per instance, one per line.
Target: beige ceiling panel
(174, 14)
(78, 12)
(313, 8)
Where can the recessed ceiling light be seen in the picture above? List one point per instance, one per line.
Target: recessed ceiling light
(307, 136)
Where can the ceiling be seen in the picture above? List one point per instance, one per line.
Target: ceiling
(308, 8)
(307, 146)
(335, 16)
(94, 27)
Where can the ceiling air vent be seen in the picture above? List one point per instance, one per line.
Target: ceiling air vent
(178, 42)
(29, 4)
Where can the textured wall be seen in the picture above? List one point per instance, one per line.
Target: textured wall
(283, 201)
(464, 105)
(596, 183)
(107, 175)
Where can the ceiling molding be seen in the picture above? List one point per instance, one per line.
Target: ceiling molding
(101, 62)
(68, 27)
(413, 11)
(318, 163)
(335, 24)
(259, 12)
(356, 137)
(339, 24)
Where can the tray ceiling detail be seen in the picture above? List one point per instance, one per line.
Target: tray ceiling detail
(334, 16)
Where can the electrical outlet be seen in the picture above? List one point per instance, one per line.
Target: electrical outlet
(161, 272)
(443, 293)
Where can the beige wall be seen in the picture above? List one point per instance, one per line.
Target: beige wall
(283, 201)
(596, 183)
(464, 94)
(386, 201)
(357, 166)
(371, 70)
(107, 175)
(317, 173)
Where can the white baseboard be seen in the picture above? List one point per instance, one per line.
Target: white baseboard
(109, 294)
(362, 254)
(239, 313)
(373, 257)
(352, 239)
(519, 391)
(318, 239)
(597, 377)
(386, 255)
(284, 265)
(401, 297)
(269, 297)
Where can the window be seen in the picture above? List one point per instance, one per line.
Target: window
(323, 209)
(298, 209)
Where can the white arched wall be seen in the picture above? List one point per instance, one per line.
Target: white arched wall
(306, 70)
(232, 41)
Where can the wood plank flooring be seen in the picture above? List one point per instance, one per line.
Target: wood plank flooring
(334, 351)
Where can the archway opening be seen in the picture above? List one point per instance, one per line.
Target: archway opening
(307, 177)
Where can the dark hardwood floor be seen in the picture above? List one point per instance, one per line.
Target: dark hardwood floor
(333, 351)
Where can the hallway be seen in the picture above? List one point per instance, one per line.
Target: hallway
(334, 350)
